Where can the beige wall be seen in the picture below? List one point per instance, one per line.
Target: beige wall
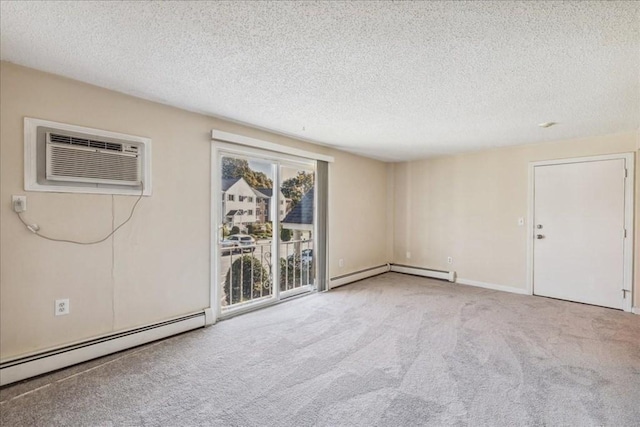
(156, 267)
(357, 218)
(467, 206)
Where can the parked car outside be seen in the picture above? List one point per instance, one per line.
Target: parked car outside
(244, 242)
(228, 246)
(306, 256)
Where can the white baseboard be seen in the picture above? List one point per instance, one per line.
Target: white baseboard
(492, 286)
(635, 310)
(334, 282)
(424, 272)
(20, 368)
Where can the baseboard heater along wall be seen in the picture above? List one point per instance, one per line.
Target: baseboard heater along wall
(424, 272)
(398, 268)
(24, 367)
(28, 366)
(452, 277)
(344, 279)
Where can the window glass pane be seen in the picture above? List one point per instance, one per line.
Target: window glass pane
(297, 224)
(245, 244)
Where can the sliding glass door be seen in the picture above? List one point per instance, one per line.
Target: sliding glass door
(245, 232)
(297, 272)
(265, 232)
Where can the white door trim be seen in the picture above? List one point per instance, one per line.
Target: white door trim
(219, 149)
(629, 159)
(214, 220)
(221, 136)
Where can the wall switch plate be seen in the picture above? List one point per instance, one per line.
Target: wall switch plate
(520, 222)
(340, 262)
(62, 307)
(19, 203)
(449, 260)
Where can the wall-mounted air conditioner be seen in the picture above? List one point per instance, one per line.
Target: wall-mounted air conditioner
(68, 158)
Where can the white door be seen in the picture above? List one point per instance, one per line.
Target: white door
(579, 218)
(263, 246)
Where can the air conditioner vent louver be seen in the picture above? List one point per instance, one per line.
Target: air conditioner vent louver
(75, 159)
(67, 158)
(71, 140)
(94, 165)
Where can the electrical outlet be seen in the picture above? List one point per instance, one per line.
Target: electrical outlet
(341, 263)
(62, 307)
(408, 255)
(449, 260)
(19, 203)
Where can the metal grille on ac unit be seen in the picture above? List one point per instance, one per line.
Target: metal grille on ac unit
(76, 159)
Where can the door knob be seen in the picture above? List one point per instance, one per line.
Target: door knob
(539, 236)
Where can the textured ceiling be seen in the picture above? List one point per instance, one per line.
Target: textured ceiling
(391, 80)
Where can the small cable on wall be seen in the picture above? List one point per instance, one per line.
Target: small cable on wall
(35, 229)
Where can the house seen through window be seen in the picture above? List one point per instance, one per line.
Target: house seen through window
(261, 258)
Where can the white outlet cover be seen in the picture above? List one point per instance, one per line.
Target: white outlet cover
(62, 307)
(408, 255)
(340, 262)
(23, 203)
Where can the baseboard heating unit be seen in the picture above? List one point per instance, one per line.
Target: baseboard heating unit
(424, 272)
(28, 366)
(357, 275)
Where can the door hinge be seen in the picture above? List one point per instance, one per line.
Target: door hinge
(626, 173)
(624, 293)
(625, 233)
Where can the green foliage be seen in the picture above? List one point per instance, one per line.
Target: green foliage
(296, 187)
(246, 279)
(252, 228)
(285, 234)
(239, 168)
(290, 270)
(260, 230)
(234, 230)
(225, 232)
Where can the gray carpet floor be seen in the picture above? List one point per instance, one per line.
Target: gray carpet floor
(393, 350)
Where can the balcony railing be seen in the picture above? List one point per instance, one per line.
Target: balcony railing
(247, 271)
